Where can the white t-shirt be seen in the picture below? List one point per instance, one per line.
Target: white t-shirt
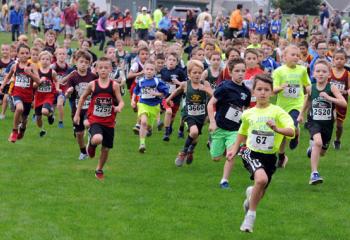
(35, 19)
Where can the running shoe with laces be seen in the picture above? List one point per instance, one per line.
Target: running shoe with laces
(51, 119)
(336, 145)
(180, 159)
(225, 185)
(189, 157)
(294, 143)
(142, 148)
(166, 138)
(83, 156)
(248, 223)
(136, 129)
(315, 179)
(42, 133)
(99, 174)
(21, 132)
(13, 136)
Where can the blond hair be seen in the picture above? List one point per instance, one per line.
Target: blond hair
(194, 63)
(45, 53)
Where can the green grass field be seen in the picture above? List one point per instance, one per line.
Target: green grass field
(47, 193)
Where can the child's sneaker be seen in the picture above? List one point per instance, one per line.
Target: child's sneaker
(180, 134)
(51, 119)
(189, 158)
(21, 132)
(160, 125)
(149, 132)
(91, 150)
(166, 138)
(180, 159)
(248, 223)
(83, 156)
(336, 145)
(60, 124)
(225, 185)
(308, 152)
(99, 174)
(315, 179)
(13, 136)
(136, 129)
(42, 133)
(142, 148)
(2, 116)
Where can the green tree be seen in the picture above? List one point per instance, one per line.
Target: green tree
(299, 7)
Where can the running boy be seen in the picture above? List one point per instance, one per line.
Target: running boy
(263, 128)
(101, 113)
(321, 100)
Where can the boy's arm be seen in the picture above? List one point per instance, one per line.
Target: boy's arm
(338, 98)
(289, 132)
(231, 153)
(306, 106)
(7, 78)
(32, 72)
(82, 99)
(207, 88)
(210, 108)
(132, 74)
(55, 80)
(116, 88)
(177, 91)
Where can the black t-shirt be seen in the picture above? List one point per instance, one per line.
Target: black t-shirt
(167, 76)
(231, 98)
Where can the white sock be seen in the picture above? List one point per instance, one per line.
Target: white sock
(251, 213)
(223, 180)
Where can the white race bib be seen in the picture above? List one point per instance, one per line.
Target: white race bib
(86, 103)
(262, 140)
(292, 91)
(22, 81)
(103, 110)
(233, 114)
(338, 84)
(146, 93)
(322, 114)
(248, 83)
(172, 87)
(196, 109)
(45, 87)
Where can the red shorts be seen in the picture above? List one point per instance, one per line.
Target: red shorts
(174, 107)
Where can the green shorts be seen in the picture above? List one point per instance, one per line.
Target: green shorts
(150, 111)
(221, 140)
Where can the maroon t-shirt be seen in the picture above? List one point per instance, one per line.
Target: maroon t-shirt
(70, 16)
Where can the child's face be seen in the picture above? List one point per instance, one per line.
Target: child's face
(267, 50)
(233, 55)
(339, 60)
(322, 49)
(85, 46)
(45, 61)
(262, 91)
(150, 70)
(199, 55)
(104, 69)
(82, 64)
(238, 73)
(346, 42)
(292, 56)
(110, 53)
(13, 53)
(38, 45)
(50, 38)
(61, 55)
(143, 55)
(254, 39)
(5, 51)
(215, 61)
(119, 46)
(251, 60)
(171, 62)
(260, 56)
(332, 46)
(195, 74)
(321, 73)
(66, 43)
(23, 54)
(160, 64)
(194, 41)
(303, 50)
(34, 55)
(208, 50)
(158, 46)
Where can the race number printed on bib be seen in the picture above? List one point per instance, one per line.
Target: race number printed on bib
(45, 87)
(233, 114)
(22, 81)
(322, 114)
(103, 107)
(172, 87)
(196, 109)
(146, 93)
(338, 84)
(292, 91)
(262, 140)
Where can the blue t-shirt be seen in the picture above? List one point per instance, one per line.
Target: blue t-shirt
(145, 87)
(231, 98)
(275, 26)
(56, 23)
(269, 64)
(168, 75)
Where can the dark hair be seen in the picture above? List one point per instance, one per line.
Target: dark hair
(229, 50)
(323, 4)
(303, 44)
(235, 62)
(83, 54)
(239, 6)
(264, 77)
(340, 51)
(332, 41)
(88, 41)
(319, 42)
(22, 46)
(104, 59)
(160, 56)
(252, 51)
(143, 49)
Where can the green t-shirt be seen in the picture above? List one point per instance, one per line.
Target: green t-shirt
(292, 97)
(260, 137)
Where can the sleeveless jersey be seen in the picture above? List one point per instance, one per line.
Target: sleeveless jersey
(45, 93)
(3, 67)
(195, 106)
(211, 79)
(101, 106)
(23, 85)
(321, 110)
(61, 73)
(342, 82)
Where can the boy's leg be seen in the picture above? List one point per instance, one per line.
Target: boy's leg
(260, 182)
(95, 138)
(103, 158)
(230, 139)
(4, 106)
(143, 132)
(316, 152)
(60, 105)
(79, 134)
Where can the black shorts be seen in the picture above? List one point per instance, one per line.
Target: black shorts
(106, 132)
(121, 32)
(80, 127)
(254, 160)
(26, 105)
(45, 105)
(294, 115)
(127, 32)
(325, 131)
(194, 122)
(6, 89)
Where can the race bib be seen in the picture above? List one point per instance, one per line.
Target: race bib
(233, 114)
(172, 87)
(196, 109)
(22, 81)
(274, 28)
(248, 83)
(292, 91)
(146, 93)
(322, 114)
(262, 140)
(103, 107)
(86, 103)
(338, 84)
(45, 87)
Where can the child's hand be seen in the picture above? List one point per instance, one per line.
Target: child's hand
(324, 95)
(76, 119)
(28, 69)
(284, 85)
(212, 126)
(133, 104)
(117, 109)
(271, 124)
(300, 118)
(230, 155)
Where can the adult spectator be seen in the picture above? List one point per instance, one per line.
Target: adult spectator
(202, 17)
(336, 20)
(142, 23)
(101, 30)
(324, 17)
(16, 19)
(158, 15)
(190, 23)
(54, 10)
(164, 25)
(4, 16)
(70, 18)
(236, 21)
(28, 11)
(345, 29)
(248, 15)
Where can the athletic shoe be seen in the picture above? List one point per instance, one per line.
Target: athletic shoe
(2, 116)
(136, 129)
(180, 159)
(315, 179)
(99, 174)
(166, 138)
(42, 133)
(336, 145)
(51, 119)
(13, 136)
(248, 223)
(225, 185)
(83, 156)
(189, 158)
(282, 162)
(160, 125)
(248, 194)
(60, 125)
(308, 152)
(142, 148)
(21, 132)
(91, 151)
(149, 133)
(294, 143)
(180, 134)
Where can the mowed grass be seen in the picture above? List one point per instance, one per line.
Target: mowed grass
(47, 193)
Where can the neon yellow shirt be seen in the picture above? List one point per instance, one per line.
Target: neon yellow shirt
(143, 21)
(254, 46)
(260, 137)
(292, 97)
(157, 16)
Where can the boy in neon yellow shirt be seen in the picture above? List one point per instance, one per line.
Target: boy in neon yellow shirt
(263, 128)
(289, 81)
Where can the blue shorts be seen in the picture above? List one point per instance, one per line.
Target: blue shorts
(294, 114)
